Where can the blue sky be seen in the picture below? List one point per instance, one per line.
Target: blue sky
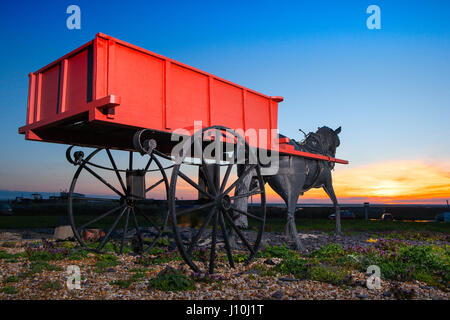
(388, 88)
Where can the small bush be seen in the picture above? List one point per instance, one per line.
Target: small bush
(39, 266)
(299, 268)
(9, 290)
(11, 279)
(331, 250)
(77, 254)
(6, 255)
(330, 274)
(278, 252)
(102, 265)
(171, 280)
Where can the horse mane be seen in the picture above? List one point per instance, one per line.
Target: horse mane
(314, 141)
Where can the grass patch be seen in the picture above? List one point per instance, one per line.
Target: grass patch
(9, 290)
(11, 279)
(171, 280)
(105, 262)
(51, 285)
(138, 275)
(39, 266)
(278, 252)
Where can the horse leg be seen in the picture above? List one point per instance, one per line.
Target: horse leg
(291, 228)
(330, 192)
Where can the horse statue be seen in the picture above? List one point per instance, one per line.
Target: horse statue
(297, 175)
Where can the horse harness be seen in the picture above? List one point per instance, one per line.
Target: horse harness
(313, 147)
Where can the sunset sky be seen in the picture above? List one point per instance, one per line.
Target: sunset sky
(387, 88)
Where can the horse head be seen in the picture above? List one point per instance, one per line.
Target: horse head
(329, 140)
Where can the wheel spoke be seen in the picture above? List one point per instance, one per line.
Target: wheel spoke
(239, 180)
(154, 186)
(103, 181)
(227, 241)
(100, 247)
(200, 231)
(148, 164)
(113, 163)
(125, 230)
(246, 195)
(239, 233)
(209, 181)
(246, 214)
(196, 186)
(205, 172)
(149, 221)
(212, 256)
(100, 217)
(136, 226)
(225, 178)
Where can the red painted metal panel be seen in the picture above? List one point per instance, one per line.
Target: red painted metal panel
(31, 98)
(76, 85)
(49, 93)
(226, 105)
(111, 83)
(138, 81)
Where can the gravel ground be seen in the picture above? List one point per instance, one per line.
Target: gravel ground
(243, 282)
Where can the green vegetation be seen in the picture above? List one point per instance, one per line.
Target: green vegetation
(278, 252)
(360, 225)
(39, 266)
(397, 260)
(11, 279)
(8, 244)
(9, 290)
(138, 275)
(9, 257)
(171, 280)
(105, 262)
(51, 285)
(402, 262)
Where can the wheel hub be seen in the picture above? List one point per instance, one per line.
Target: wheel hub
(225, 203)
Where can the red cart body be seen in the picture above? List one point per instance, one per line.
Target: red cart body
(100, 94)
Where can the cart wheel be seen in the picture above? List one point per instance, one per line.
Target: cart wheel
(217, 207)
(121, 211)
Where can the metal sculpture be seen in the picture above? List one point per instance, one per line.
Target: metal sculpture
(111, 95)
(297, 175)
(127, 202)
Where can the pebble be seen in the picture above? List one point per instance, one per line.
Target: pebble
(278, 295)
(269, 262)
(288, 279)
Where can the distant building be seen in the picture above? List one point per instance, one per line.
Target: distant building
(37, 196)
(65, 195)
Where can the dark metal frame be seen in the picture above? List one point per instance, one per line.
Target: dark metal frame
(127, 204)
(221, 211)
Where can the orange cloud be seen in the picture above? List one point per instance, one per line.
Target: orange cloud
(391, 181)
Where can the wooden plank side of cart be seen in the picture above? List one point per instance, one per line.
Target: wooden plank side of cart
(108, 86)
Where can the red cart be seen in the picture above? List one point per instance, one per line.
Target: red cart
(114, 96)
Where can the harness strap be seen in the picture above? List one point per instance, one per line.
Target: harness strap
(317, 174)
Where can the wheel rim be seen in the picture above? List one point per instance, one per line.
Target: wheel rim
(124, 211)
(219, 209)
